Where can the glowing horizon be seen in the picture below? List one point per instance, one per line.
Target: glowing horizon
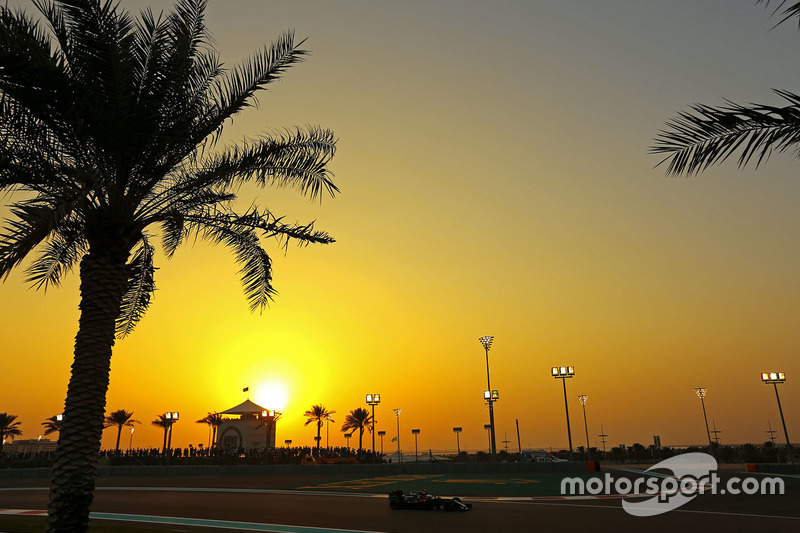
(495, 179)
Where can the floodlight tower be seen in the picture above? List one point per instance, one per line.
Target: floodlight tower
(563, 373)
(373, 400)
(773, 378)
(457, 430)
(701, 393)
(489, 395)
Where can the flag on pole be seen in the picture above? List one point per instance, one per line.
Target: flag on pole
(245, 389)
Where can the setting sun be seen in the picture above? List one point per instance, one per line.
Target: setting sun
(271, 394)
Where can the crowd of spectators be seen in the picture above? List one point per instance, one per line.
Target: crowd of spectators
(202, 455)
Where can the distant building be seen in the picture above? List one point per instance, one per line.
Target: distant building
(246, 426)
(29, 446)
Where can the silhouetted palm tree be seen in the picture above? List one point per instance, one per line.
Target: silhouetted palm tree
(9, 428)
(358, 419)
(52, 425)
(121, 419)
(166, 423)
(318, 414)
(107, 129)
(269, 422)
(214, 421)
(708, 135)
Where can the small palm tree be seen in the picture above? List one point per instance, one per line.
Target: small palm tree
(358, 419)
(318, 414)
(269, 422)
(9, 428)
(214, 421)
(708, 135)
(52, 425)
(121, 419)
(166, 423)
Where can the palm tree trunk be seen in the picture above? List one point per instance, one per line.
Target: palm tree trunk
(319, 438)
(103, 282)
(360, 437)
(119, 433)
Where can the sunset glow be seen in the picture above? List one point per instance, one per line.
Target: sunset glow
(271, 395)
(492, 159)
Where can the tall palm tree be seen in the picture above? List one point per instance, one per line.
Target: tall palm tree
(318, 414)
(166, 423)
(707, 135)
(358, 419)
(9, 427)
(108, 132)
(121, 419)
(52, 425)
(214, 421)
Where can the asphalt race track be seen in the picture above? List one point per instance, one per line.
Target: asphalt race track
(248, 499)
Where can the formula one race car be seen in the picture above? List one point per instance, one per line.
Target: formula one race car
(422, 500)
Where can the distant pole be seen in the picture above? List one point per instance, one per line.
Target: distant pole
(327, 432)
(583, 398)
(603, 436)
(519, 442)
(458, 430)
(381, 434)
(416, 452)
(771, 432)
(715, 431)
(399, 453)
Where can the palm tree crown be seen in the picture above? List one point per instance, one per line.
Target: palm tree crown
(108, 131)
(214, 421)
(52, 425)
(9, 427)
(708, 135)
(162, 422)
(358, 419)
(319, 414)
(121, 419)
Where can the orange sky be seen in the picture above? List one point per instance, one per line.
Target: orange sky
(495, 181)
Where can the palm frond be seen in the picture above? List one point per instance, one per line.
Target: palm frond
(791, 11)
(256, 264)
(141, 286)
(120, 418)
(707, 135)
(52, 425)
(237, 91)
(273, 227)
(295, 159)
(34, 82)
(35, 220)
(65, 247)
